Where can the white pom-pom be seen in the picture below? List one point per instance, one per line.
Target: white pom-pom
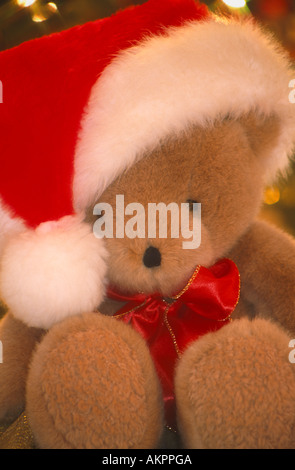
(53, 272)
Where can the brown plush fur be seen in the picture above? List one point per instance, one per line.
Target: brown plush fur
(185, 168)
(266, 259)
(18, 343)
(116, 397)
(243, 389)
(91, 380)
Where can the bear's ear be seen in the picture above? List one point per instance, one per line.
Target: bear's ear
(263, 133)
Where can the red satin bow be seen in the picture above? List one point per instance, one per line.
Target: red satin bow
(169, 325)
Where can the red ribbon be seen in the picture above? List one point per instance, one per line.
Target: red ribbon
(170, 325)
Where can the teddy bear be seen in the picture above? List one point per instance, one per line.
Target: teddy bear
(118, 335)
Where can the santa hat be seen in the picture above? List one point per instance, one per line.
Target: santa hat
(81, 106)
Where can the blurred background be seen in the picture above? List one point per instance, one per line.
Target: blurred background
(21, 20)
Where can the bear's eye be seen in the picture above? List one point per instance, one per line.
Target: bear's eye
(191, 202)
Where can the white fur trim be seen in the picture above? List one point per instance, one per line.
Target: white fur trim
(190, 74)
(9, 225)
(53, 272)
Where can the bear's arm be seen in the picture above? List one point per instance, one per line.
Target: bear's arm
(17, 344)
(265, 257)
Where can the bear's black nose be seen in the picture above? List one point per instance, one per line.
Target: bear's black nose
(151, 257)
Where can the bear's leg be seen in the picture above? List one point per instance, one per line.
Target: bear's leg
(92, 384)
(17, 344)
(236, 388)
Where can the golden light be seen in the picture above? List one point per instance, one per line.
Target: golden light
(235, 3)
(272, 196)
(38, 18)
(52, 6)
(25, 3)
(44, 12)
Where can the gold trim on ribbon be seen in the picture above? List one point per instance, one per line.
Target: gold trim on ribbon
(237, 301)
(194, 275)
(131, 310)
(171, 332)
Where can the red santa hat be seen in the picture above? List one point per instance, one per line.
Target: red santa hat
(81, 106)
